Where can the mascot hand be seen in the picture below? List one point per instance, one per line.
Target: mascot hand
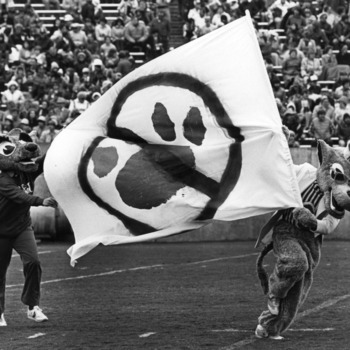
(305, 219)
(286, 132)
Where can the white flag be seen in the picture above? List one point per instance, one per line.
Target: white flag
(191, 136)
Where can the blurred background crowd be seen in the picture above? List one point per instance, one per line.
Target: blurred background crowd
(57, 57)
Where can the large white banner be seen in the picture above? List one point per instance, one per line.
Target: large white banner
(191, 136)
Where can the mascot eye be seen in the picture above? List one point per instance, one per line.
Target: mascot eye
(7, 148)
(337, 173)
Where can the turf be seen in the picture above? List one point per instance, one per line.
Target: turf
(171, 296)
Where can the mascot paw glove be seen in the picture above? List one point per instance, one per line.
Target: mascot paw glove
(305, 219)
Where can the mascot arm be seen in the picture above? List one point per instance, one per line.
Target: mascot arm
(327, 225)
(12, 192)
(305, 219)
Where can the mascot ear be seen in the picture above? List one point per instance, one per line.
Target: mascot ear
(18, 135)
(25, 137)
(15, 134)
(322, 151)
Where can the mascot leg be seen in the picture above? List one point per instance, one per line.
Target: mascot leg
(290, 281)
(5, 258)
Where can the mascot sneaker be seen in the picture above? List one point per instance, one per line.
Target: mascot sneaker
(36, 314)
(273, 305)
(2, 321)
(260, 332)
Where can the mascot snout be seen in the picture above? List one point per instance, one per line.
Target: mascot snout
(31, 147)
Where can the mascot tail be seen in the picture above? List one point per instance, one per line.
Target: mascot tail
(262, 274)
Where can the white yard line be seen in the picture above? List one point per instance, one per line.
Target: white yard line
(146, 335)
(252, 339)
(233, 330)
(36, 335)
(15, 255)
(149, 267)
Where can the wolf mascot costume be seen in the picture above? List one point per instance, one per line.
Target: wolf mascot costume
(297, 237)
(19, 165)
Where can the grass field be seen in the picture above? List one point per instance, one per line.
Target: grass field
(171, 296)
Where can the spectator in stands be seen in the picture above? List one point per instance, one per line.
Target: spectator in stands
(329, 59)
(207, 28)
(297, 19)
(217, 19)
(145, 12)
(341, 86)
(49, 134)
(12, 94)
(102, 30)
(97, 74)
(313, 87)
(136, 35)
(143, 16)
(125, 65)
(318, 34)
(88, 12)
(291, 67)
(282, 7)
(310, 65)
(24, 125)
(343, 56)
(32, 116)
(44, 108)
(80, 103)
(18, 36)
(306, 43)
(163, 5)
(106, 47)
(71, 79)
(292, 143)
(5, 50)
(340, 109)
(189, 30)
(341, 32)
(322, 127)
(326, 27)
(125, 7)
(7, 125)
(38, 129)
(85, 79)
(40, 82)
(310, 18)
(279, 91)
(160, 28)
(194, 13)
(291, 120)
(25, 53)
(343, 130)
(92, 45)
(111, 60)
(326, 106)
(77, 35)
(118, 33)
(89, 27)
(82, 59)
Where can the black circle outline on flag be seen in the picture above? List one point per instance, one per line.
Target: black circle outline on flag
(230, 175)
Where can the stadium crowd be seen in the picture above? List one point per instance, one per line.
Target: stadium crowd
(49, 75)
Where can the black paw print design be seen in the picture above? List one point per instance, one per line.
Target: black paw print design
(158, 171)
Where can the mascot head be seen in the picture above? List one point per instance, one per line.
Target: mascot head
(333, 177)
(18, 152)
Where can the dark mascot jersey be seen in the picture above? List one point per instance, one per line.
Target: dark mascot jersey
(15, 202)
